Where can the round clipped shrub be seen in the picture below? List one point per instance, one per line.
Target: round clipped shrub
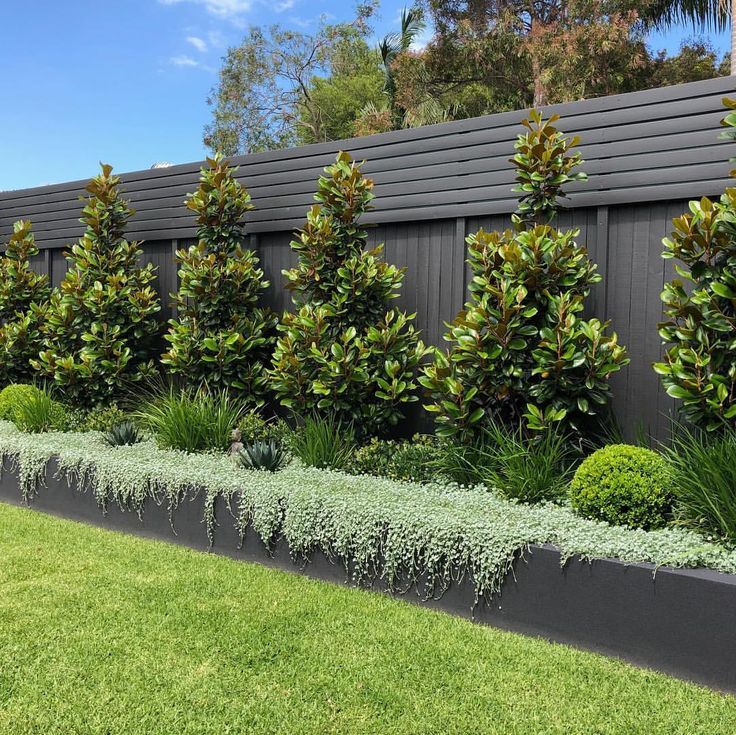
(623, 485)
(11, 395)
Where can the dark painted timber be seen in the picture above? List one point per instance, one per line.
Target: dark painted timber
(678, 621)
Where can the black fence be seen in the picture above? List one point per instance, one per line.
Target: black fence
(646, 153)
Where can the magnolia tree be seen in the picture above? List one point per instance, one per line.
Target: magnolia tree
(521, 351)
(699, 365)
(343, 352)
(100, 327)
(23, 298)
(221, 338)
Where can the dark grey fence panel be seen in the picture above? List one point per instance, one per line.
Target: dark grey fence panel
(637, 275)
(57, 266)
(161, 254)
(433, 254)
(40, 264)
(276, 256)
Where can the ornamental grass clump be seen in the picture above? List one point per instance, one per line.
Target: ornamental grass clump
(699, 364)
(23, 299)
(342, 352)
(191, 420)
(521, 351)
(220, 335)
(530, 469)
(36, 411)
(704, 481)
(11, 395)
(100, 327)
(324, 442)
(624, 485)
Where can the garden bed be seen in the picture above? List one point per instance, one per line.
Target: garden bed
(539, 571)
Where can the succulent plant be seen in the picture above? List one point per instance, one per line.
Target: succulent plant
(262, 455)
(123, 434)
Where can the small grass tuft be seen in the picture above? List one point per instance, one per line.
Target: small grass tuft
(528, 469)
(324, 443)
(704, 479)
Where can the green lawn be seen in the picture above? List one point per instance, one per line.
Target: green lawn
(104, 633)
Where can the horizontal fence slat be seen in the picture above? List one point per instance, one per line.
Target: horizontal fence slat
(457, 175)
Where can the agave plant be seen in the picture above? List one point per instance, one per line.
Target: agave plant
(123, 434)
(262, 455)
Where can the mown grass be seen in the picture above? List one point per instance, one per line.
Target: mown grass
(103, 633)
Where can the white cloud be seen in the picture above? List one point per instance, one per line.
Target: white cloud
(183, 60)
(302, 22)
(284, 5)
(216, 39)
(198, 43)
(230, 9)
(422, 40)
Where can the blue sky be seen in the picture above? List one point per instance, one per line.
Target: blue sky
(126, 81)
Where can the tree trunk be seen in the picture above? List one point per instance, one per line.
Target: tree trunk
(733, 37)
(532, 41)
(539, 95)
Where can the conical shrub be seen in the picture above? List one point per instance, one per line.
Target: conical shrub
(23, 299)
(343, 353)
(521, 351)
(100, 328)
(221, 337)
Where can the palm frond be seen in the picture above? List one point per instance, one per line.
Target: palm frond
(702, 14)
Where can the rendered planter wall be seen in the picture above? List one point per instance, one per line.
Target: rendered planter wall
(682, 622)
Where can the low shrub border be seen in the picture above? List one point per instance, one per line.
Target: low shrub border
(680, 621)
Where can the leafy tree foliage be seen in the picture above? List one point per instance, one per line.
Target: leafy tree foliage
(23, 297)
(389, 114)
(220, 337)
(282, 87)
(696, 60)
(492, 55)
(699, 365)
(520, 349)
(412, 24)
(337, 100)
(101, 323)
(715, 14)
(341, 353)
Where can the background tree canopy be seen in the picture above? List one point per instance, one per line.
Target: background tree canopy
(282, 87)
